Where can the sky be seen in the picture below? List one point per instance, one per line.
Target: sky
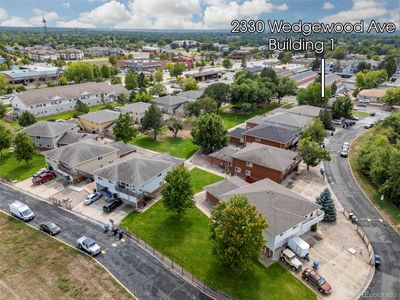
(188, 14)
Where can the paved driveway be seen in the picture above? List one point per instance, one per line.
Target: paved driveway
(135, 268)
(384, 239)
(45, 190)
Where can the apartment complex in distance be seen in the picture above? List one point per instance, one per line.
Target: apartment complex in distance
(104, 51)
(56, 100)
(45, 53)
(141, 64)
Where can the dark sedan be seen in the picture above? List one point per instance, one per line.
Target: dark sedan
(112, 204)
(50, 228)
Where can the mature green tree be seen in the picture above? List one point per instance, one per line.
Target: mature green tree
(3, 109)
(80, 72)
(370, 79)
(389, 64)
(112, 60)
(116, 80)
(158, 89)
(24, 148)
(287, 57)
(311, 95)
(158, 75)
(226, 63)
(190, 84)
(105, 71)
(131, 80)
(142, 96)
(271, 74)
(342, 107)
(316, 64)
(202, 105)
(5, 138)
(326, 117)
(174, 125)
(390, 188)
(3, 84)
(26, 119)
(363, 65)
(62, 80)
(177, 192)
(237, 233)
(176, 69)
(391, 97)
(328, 206)
(285, 87)
(81, 108)
(312, 153)
(316, 131)
(153, 120)
(218, 91)
(124, 128)
(141, 80)
(209, 132)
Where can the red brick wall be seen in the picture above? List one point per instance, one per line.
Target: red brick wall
(218, 162)
(257, 172)
(251, 125)
(235, 141)
(251, 139)
(211, 198)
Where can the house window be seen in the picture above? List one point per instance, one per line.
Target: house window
(247, 172)
(38, 137)
(238, 170)
(257, 139)
(249, 164)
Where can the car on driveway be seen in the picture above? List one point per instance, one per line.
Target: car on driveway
(44, 177)
(89, 199)
(355, 118)
(317, 280)
(88, 245)
(112, 204)
(289, 258)
(369, 125)
(337, 122)
(50, 228)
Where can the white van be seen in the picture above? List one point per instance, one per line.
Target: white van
(21, 211)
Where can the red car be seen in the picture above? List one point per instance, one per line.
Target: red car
(44, 177)
(316, 279)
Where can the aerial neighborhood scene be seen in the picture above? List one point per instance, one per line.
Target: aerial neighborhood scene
(244, 149)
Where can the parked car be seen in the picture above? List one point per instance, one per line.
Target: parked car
(41, 171)
(378, 261)
(317, 280)
(355, 118)
(369, 125)
(349, 123)
(89, 199)
(88, 245)
(289, 258)
(363, 100)
(112, 204)
(337, 122)
(44, 177)
(346, 145)
(372, 114)
(21, 211)
(361, 105)
(344, 152)
(353, 218)
(50, 228)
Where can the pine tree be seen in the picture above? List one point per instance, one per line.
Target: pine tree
(328, 206)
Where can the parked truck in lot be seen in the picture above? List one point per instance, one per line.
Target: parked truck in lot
(21, 211)
(299, 247)
(289, 258)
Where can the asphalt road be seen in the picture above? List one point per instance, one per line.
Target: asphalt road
(384, 239)
(135, 268)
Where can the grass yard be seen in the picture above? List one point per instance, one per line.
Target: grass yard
(187, 242)
(231, 120)
(360, 113)
(13, 126)
(35, 266)
(202, 178)
(11, 169)
(391, 211)
(178, 147)
(70, 114)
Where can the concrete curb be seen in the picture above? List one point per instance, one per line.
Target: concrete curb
(69, 245)
(365, 195)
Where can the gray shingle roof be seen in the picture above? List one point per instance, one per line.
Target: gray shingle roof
(306, 110)
(273, 132)
(226, 185)
(101, 116)
(290, 119)
(192, 94)
(256, 120)
(266, 156)
(74, 137)
(123, 149)
(80, 152)
(225, 153)
(48, 129)
(282, 207)
(237, 132)
(136, 169)
(46, 95)
(138, 107)
(170, 100)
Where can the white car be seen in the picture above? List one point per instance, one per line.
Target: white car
(88, 245)
(363, 101)
(89, 199)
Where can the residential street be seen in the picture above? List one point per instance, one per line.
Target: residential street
(385, 240)
(136, 269)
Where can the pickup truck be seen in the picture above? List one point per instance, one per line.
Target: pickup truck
(88, 245)
(288, 257)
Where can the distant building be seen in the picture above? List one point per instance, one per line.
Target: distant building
(98, 121)
(56, 100)
(71, 54)
(205, 74)
(104, 51)
(188, 43)
(304, 77)
(240, 54)
(141, 64)
(42, 53)
(136, 110)
(32, 74)
(371, 95)
(188, 61)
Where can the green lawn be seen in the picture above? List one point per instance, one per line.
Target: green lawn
(231, 120)
(202, 178)
(13, 126)
(391, 211)
(178, 147)
(187, 242)
(360, 113)
(70, 114)
(11, 169)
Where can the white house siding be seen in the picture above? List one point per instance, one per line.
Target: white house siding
(48, 142)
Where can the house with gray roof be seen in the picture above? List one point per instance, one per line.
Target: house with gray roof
(77, 161)
(215, 190)
(60, 99)
(290, 119)
(192, 94)
(223, 157)
(98, 121)
(75, 137)
(287, 213)
(46, 135)
(135, 177)
(172, 104)
(236, 136)
(306, 110)
(136, 110)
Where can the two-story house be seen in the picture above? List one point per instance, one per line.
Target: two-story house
(136, 110)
